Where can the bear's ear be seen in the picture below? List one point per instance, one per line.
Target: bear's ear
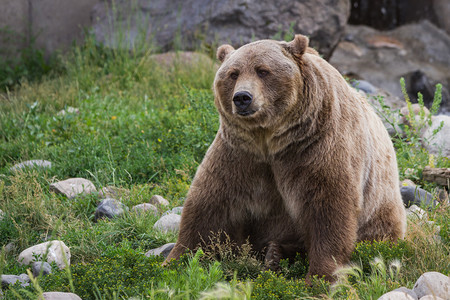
(297, 46)
(223, 51)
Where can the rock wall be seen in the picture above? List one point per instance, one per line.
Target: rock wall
(53, 24)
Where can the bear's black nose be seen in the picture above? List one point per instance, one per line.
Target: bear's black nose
(242, 100)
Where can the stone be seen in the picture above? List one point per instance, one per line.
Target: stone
(109, 208)
(431, 297)
(386, 56)
(415, 195)
(68, 110)
(54, 254)
(158, 201)
(397, 295)
(164, 250)
(406, 291)
(73, 187)
(176, 210)
(36, 163)
(38, 266)
(113, 192)
(2, 214)
(441, 9)
(170, 222)
(145, 207)
(25, 277)
(10, 247)
(407, 182)
(416, 213)
(439, 143)
(60, 296)
(185, 24)
(12, 279)
(432, 283)
(364, 86)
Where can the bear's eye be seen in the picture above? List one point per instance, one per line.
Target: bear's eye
(262, 73)
(234, 75)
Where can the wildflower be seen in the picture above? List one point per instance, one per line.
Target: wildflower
(113, 117)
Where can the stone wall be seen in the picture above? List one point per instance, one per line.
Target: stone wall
(54, 24)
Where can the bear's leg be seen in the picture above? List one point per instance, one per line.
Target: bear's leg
(273, 256)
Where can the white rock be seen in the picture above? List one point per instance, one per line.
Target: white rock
(158, 200)
(164, 250)
(431, 297)
(407, 291)
(60, 296)
(73, 187)
(441, 141)
(396, 295)
(37, 163)
(55, 249)
(415, 212)
(170, 222)
(145, 207)
(433, 283)
(113, 192)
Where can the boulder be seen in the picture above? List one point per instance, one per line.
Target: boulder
(439, 143)
(432, 283)
(145, 207)
(383, 57)
(415, 195)
(12, 279)
(158, 201)
(407, 291)
(73, 187)
(185, 24)
(396, 295)
(164, 250)
(38, 266)
(170, 222)
(37, 163)
(176, 210)
(416, 213)
(52, 248)
(109, 208)
(60, 296)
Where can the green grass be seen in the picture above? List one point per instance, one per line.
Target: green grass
(145, 127)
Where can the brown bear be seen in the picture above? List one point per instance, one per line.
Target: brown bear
(301, 163)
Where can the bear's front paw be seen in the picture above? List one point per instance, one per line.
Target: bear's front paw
(273, 257)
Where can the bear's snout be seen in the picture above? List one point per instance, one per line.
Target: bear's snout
(242, 100)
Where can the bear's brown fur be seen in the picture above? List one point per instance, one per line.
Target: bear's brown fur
(301, 163)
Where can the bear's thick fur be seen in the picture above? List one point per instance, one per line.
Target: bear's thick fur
(301, 163)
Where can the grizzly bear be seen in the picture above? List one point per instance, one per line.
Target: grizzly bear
(300, 163)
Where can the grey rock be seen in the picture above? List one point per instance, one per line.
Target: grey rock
(113, 192)
(2, 214)
(164, 250)
(396, 295)
(438, 144)
(176, 210)
(415, 195)
(158, 201)
(54, 250)
(441, 9)
(431, 297)
(37, 163)
(183, 58)
(407, 182)
(60, 296)
(12, 279)
(170, 222)
(37, 266)
(407, 291)
(73, 187)
(25, 277)
(145, 207)
(416, 213)
(219, 21)
(109, 208)
(432, 283)
(364, 86)
(383, 57)
(10, 247)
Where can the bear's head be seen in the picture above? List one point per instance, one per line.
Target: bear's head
(257, 84)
